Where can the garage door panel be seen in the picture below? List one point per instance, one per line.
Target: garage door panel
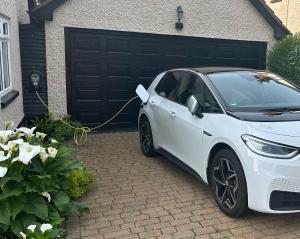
(87, 69)
(147, 48)
(86, 42)
(118, 46)
(105, 67)
(202, 52)
(89, 94)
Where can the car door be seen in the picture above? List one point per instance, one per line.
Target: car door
(161, 107)
(187, 129)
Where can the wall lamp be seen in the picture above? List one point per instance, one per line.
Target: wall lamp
(35, 78)
(179, 23)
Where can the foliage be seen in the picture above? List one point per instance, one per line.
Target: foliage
(54, 128)
(80, 181)
(284, 58)
(33, 176)
(44, 231)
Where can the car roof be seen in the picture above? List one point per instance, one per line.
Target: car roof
(211, 70)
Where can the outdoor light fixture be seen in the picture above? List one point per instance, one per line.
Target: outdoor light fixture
(179, 24)
(35, 78)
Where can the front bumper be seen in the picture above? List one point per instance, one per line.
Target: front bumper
(267, 176)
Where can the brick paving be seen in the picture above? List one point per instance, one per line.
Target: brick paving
(138, 197)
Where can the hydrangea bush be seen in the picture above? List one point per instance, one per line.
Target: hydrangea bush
(34, 176)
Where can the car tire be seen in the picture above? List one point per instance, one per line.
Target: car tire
(146, 138)
(228, 183)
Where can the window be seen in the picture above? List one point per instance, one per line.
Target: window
(192, 84)
(5, 72)
(168, 85)
(246, 91)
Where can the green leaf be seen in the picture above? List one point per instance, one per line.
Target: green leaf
(37, 206)
(22, 221)
(61, 200)
(36, 166)
(12, 189)
(4, 212)
(53, 213)
(3, 229)
(7, 179)
(16, 205)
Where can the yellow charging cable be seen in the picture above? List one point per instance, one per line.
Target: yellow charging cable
(81, 133)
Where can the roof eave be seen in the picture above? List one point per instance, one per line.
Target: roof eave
(280, 30)
(45, 10)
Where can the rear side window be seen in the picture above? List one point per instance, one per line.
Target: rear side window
(168, 85)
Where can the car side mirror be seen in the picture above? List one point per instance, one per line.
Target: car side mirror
(194, 106)
(142, 93)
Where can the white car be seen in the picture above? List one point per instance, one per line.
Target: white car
(235, 129)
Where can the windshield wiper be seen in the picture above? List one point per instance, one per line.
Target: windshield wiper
(283, 109)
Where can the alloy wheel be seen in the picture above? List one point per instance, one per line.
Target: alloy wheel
(226, 183)
(146, 136)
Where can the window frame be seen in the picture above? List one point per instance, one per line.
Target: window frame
(180, 82)
(5, 38)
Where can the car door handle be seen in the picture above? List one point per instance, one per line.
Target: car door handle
(152, 102)
(172, 114)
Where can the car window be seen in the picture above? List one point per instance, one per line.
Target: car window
(168, 85)
(246, 91)
(192, 84)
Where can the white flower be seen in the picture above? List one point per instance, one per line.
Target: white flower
(13, 143)
(52, 152)
(27, 152)
(4, 147)
(53, 141)
(23, 235)
(40, 135)
(3, 171)
(8, 124)
(3, 157)
(44, 156)
(45, 227)
(47, 195)
(31, 227)
(4, 136)
(28, 132)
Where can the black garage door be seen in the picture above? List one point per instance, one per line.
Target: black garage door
(105, 67)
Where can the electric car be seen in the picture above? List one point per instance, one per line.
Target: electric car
(236, 129)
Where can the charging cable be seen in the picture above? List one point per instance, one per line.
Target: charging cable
(81, 133)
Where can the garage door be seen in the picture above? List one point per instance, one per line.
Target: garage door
(104, 67)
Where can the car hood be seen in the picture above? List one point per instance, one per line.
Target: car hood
(291, 128)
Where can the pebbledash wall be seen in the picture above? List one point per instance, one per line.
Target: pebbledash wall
(14, 111)
(230, 19)
(289, 13)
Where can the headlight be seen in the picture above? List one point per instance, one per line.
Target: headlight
(269, 149)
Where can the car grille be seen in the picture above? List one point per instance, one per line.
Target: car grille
(284, 201)
(284, 184)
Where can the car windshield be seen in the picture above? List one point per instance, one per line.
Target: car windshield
(245, 91)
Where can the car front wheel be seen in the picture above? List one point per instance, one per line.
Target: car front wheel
(229, 185)
(146, 139)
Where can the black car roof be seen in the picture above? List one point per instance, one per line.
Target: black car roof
(211, 70)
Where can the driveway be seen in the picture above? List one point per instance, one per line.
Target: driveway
(138, 197)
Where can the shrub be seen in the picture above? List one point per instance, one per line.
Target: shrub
(284, 58)
(32, 175)
(79, 182)
(54, 128)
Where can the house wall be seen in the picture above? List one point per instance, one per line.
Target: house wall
(22, 6)
(231, 19)
(13, 111)
(289, 13)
